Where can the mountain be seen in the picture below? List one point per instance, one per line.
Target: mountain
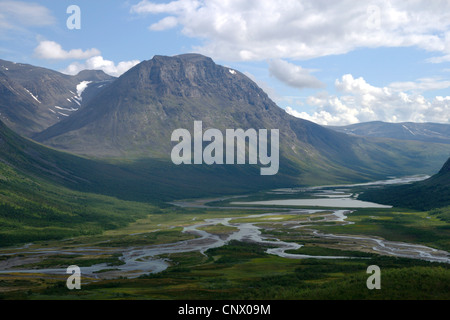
(39, 198)
(427, 132)
(123, 132)
(18, 108)
(138, 113)
(93, 76)
(424, 195)
(133, 119)
(35, 98)
(445, 169)
(151, 180)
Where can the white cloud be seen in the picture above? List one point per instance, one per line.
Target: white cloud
(321, 117)
(172, 7)
(93, 60)
(441, 59)
(293, 75)
(268, 29)
(421, 85)
(53, 51)
(99, 63)
(348, 84)
(362, 102)
(18, 15)
(164, 24)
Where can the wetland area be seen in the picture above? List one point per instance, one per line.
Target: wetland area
(215, 248)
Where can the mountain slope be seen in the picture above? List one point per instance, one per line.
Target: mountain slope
(424, 195)
(35, 98)
(134, 118)
(142, 108)
(151, 180)
(427, 132)
(18, 109)
(36, 203)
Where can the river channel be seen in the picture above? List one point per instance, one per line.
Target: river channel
(139, 260)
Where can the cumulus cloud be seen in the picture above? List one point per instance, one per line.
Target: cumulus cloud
(293, 75)
(53, 51)
(362, 102)
(99, 63)
(92, 59)
(269, 29)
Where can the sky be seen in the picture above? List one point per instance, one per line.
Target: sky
(331, 62)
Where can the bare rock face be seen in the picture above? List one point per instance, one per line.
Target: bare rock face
(139, 111)
(33, 98)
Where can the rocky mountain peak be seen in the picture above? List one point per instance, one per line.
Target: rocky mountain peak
(93, 75)
(187, 75)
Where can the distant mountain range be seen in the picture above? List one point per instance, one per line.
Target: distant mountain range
(129, 120)
(34, 98)
(427, 132)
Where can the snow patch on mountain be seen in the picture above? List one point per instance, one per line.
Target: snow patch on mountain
(81, 87)
(405, 127)
(35, 98)
(66, 109)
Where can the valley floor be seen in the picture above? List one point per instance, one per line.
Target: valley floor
(236, 248)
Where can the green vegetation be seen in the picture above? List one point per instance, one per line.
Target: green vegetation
(95, 210)
(442, 214)
(89, 210)
(63, 261)
(424, 195)
(315, 250)
(398, 225)
(236, 252)
(35, 210)
(219, 229)
(243, 271)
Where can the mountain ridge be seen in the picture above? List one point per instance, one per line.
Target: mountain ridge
(134, 117)
(426, 132)
(50, 95)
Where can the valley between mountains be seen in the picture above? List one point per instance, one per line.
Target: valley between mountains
(86, 179)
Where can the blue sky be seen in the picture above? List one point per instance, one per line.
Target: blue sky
(331, 62)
